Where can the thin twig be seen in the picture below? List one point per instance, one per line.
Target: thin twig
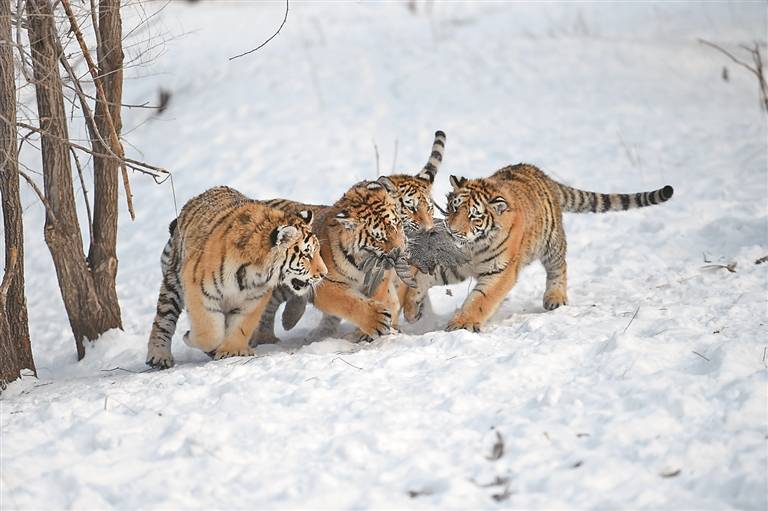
(118, 368)
(33, 185)
(285, 18)
(351, 365)
(376, 150)
(631, 320)
(85, 192)
(139, 166)
(702, 356)
(114, 139)
(95, 23)
(729, 55)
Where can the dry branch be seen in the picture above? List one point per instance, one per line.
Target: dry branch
(757, 70)
(285, 18)
(117, 148)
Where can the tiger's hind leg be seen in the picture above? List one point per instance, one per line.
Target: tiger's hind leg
(169, 305)
(557, 271)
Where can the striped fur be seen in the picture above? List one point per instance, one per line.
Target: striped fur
(505, 222)
(363, 222)
(225, 255)
(413, 196)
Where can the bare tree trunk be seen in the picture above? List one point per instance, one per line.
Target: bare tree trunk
(62, 231)
(15, 348)
(102, 254)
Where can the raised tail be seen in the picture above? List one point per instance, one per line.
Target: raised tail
(574, 200)
(435, 158)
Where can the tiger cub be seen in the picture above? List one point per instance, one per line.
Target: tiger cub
(364, 222)
(506, 221)
(225, 255)
(413, 195)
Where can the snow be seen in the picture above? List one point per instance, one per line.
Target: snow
(648, 391)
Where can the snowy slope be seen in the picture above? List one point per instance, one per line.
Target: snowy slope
(649, 391)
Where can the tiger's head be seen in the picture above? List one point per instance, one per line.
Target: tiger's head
(369, 219)
(476, 211)
(302, 267)
(414, 193)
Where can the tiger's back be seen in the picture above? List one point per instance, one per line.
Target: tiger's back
(225, 254)
(507, 220)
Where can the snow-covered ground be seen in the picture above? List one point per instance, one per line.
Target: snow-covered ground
(649, 391)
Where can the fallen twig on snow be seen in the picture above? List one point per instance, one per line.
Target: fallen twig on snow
(631, 320)
(731, 267)
(702, 356)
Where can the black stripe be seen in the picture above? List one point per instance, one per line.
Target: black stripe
(624, 201)
(653, 197)
(578, 202)
(207, 294)
(494, 272)
(430, 168)
(240, 276)
(477, 290)
(606, 202)
(638, 200)
(436, 155)
(439, 142)
(216, 284)
(593, 201)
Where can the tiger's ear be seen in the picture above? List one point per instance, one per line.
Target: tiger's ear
(344, 219)
(457, 182)
(387, 184)
(499, 204)
(283, 234)
(305, 215)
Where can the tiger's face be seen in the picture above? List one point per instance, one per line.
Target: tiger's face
(303, 267)
(414, 199)
(371, 219)
(475, 210)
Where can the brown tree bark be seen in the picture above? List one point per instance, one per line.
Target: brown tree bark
(62, 231)
(102, 254)
(15, 348)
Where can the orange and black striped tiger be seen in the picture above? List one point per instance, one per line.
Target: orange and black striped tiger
(506, 221)
(413, 196)
(225, 255)
(364, 223)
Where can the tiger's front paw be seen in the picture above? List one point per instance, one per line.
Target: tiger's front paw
(380, 322)
(413, 310)
(159, 359)
(224, 352)
(460, 322)
(554, 298)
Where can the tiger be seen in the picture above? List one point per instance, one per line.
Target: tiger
(506, 221)
(413, 195)
(364, 222)
(224, 256)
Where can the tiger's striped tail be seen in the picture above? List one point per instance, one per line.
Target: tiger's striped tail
(574, 200)
(435, 158)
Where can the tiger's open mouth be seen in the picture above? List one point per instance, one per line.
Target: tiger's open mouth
(298, 285)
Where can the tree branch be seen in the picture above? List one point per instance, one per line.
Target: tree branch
(114, 139)
(285, 18)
